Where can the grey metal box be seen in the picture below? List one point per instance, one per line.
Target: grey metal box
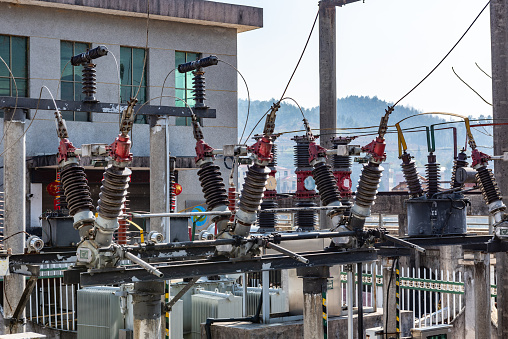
(59, 232)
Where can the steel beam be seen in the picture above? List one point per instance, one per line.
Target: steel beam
(188, 269)
(101, 107)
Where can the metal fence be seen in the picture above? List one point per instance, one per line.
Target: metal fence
(52, 303)
(433, 296)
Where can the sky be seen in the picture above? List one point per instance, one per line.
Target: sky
(384, 47)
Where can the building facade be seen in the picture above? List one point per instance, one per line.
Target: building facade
(37, 39)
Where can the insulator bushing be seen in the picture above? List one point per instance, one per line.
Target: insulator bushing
(460, 162)
(305, 220)
(89, 82)
(199, 88)
(433, 175)
(273, 163)
(61, 200)
(172, 181)
(267, 220)
(325, 183)
(253, 188)
(342, 162)
(212, 185)
(113, 192)
(488, 185)
(301, 156)
(75, 185)
(411, 176)
(368, 184)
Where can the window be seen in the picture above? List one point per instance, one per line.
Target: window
(183, 85)
(13, 50)
(131, 68)
(71, 85)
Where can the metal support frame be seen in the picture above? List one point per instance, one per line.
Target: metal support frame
(194, 268)
(34, 272)
(101, 107)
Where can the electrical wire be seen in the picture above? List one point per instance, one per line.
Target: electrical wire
(31, 121)
(16, 100)
(13, 234)
(146, 47)
(289, 98)
(301, 56)
(471, 88)
(248, 97)
(292, 75)
(444, 58)
(163, 83)
(61, 76)
(487, 74)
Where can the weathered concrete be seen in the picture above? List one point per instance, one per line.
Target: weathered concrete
(389, 297)
(243, 18)
(499, 52)
(314, 285)
(15, 217)
(477, 296)
(327, 72)
(337, 328)
(158, 172)
(458, 329)
(147, 308)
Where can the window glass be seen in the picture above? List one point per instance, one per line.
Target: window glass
(131, 71)
(71, 87)
(13, 51)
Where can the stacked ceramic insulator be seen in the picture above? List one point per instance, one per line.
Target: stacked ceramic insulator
(411, 175)
(433, 175)
(305, 220)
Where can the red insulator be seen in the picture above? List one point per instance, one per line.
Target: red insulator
(123, 225)
(232, 198)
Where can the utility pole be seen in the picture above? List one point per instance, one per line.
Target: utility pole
(327, 72)
(328, 78)
(15, 198)
(499, 49)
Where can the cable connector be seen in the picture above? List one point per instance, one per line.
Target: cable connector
(376, 149)
(479, 158)
(128, 117)
(270, 120)
(316, 152)
(262, 150)
(203, 150)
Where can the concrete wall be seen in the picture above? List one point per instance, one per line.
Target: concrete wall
(46, 27)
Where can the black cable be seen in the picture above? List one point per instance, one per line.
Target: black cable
(443, 59)
(301, 56)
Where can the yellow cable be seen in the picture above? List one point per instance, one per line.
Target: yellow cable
(139, 228)
(401, 141)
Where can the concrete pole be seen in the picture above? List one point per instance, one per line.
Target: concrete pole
(499, 50)
(482, 295)
(147, 306)
(314, 286)
(389, 309)
(327, 72)
(327, 83)
(158, 190)
(477, 296)
(15, 201)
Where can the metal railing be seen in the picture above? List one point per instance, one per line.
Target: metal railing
(53, 304)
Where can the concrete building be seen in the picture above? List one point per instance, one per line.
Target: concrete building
(40, 36)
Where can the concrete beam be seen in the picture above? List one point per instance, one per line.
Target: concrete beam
(209, 13)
